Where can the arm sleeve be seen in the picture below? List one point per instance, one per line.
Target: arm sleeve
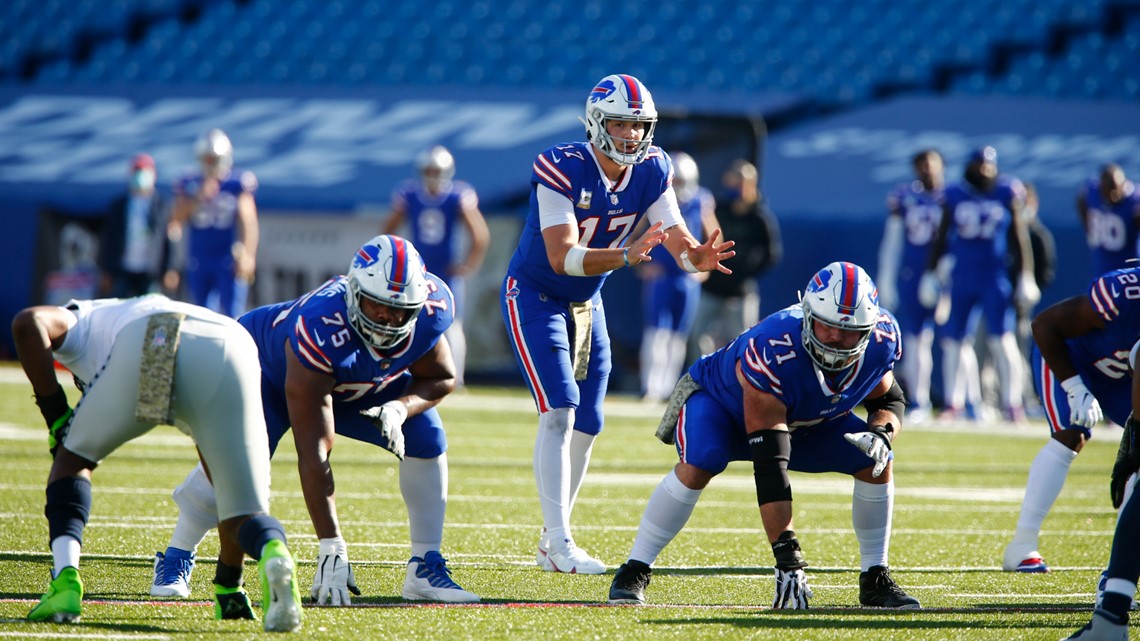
(554, 208)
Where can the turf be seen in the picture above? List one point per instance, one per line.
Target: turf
(958, 493)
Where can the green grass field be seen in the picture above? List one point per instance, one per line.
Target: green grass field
(958, 490)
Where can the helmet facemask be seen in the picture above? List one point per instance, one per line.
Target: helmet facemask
(620, 98)
(840, 296)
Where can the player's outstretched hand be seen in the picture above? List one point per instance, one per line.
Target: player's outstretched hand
(792, 591)
(333, 579)
(874, 445)
(710, 255)
(389, 419)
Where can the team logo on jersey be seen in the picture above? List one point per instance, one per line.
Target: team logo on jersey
(584, 199)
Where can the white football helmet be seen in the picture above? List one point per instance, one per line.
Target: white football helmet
(620, 97)
(215, 153)
(840, 295)
(436, 167)
(686, 176)
(387, 270)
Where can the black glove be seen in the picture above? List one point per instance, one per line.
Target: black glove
(57, 414)
(1127, 461)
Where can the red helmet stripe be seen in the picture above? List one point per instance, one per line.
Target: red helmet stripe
(850, 287)
(399, 274)
(633, 88)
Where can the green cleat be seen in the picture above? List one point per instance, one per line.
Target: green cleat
(280, 598)
(232, 604)
(63, 602)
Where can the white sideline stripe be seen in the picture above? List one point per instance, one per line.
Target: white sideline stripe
(48, 634)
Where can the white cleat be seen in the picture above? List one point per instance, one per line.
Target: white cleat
(1019, 559)
(429, 579)
(172, 574)
(1099, 628)
(561, 554)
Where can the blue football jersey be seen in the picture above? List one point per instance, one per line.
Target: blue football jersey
(921, 212)
(432, 220)
(773, 359)
(1102, 355)
(979, 225)
(212, 228)
(605, 218)
(1112, 229)
(316, 328)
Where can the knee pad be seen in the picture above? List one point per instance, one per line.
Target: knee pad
(68, 506)
(195, 497)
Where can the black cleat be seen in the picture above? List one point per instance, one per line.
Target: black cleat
(630, 582)
(878, 590)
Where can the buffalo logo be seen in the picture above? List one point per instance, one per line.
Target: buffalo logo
(366, 256)
(820, 282)
(602, 91)
(512, 293)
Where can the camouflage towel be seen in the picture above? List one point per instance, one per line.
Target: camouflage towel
(156, 371)
(667, 428)
(583, 316)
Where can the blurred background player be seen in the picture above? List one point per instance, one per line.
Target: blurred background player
(362, 356)
(133, 248)
(1109, 209)
(914, 211)
(669, 293)
(730, 302)
(982, 221)
(781, 396)
(1081, 372)
(586, 200)
(143, 362)
(215, 213)
(434, 208)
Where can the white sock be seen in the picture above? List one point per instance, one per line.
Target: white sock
(1047, 476)
(669, 508)
(64, 553)
(457, 340)
(552, 467)
(423, 484)
(1007, 362)
(923, 367)
(872, 506)
(197, 510)
(581, 444)
(954, 391)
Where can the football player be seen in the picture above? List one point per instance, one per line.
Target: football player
(435, 207)
(1081, 373)
(216, 214)
(361, 356)
(129, 356)
(782, 395)
(586, 199)
(981, 224)
(669, 293)
(1110, 214)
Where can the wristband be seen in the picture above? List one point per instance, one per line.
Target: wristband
(334, 546)
(575, 264)
(1069, 384)
(625, 257)
(688, 264)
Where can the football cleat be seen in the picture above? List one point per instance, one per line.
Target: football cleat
(629, 583)
(63, 602)
(232, 604)
(1102, 627)
(1017, 560)
(172, 573)
(878, 590)
(429, 579)
(1100, 585)
(561, 554)
(280, 597)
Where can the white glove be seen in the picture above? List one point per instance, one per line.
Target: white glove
(1026, 294)
(389, 419)
(333, 580)
(792, 591)
(1084, 409)
(929, 289)
(874, 445)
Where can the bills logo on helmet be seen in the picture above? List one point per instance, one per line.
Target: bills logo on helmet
(820, 282)
(602, 91)
(366, 256)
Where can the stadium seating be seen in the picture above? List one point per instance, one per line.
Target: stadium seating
(836, 52)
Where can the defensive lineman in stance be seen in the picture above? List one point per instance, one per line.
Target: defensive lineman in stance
(361, 356)
(586, 199)
(142, 362)
(781, 395)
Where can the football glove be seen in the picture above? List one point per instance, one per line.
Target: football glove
(1084, 409)
(1127, 461)
(875, 445)
(929, 289)
(1027, 293)
(389, 419)
(57, 414)
(792, 591)
(333, 580)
